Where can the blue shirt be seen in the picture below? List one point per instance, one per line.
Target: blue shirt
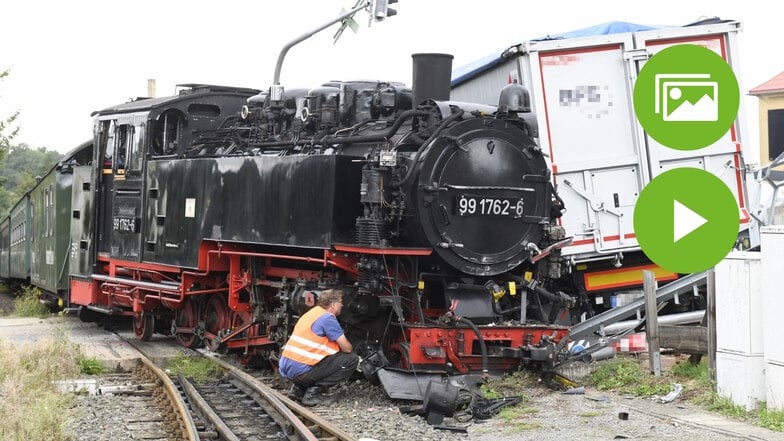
(326, 325)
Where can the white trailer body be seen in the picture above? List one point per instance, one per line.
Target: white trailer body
(581, 91)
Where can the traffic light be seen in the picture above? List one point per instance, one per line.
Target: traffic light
(381, 9)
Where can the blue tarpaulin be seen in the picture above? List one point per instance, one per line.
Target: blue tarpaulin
(470, 70)
(611, 27)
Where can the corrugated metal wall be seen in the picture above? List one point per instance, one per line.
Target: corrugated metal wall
(485, 87)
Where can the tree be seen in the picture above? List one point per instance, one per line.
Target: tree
(7, 128)
(19, 170)
(7, 132)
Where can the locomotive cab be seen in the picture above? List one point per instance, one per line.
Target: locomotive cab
(111, 215)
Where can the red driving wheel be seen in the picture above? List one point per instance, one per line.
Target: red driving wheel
(185, 321)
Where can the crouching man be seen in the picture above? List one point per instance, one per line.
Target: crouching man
(318, 354)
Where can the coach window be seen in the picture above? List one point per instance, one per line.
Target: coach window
(48, 212)
(51, 210)
(45, 220)
(45, 215)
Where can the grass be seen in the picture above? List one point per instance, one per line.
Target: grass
(724, 406)
(513, 384)
(3, 290)
(771, 419)
(521, 426)
(514, 419)
(90, 366)
(28, 304)
(32, 407)
(196, 368)
(629, 375)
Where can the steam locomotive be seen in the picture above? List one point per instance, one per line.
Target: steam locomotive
(218, 215)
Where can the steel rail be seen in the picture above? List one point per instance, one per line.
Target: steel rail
(292, 411)
(186, 421)
(197, 400)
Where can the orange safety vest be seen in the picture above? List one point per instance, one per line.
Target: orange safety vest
(304, 345)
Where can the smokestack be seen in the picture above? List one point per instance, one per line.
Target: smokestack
(432, 77)
(151, 88)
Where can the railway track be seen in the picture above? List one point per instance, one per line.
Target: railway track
(143, 404)
(241, 407)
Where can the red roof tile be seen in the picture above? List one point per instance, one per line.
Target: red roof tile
(775, 84)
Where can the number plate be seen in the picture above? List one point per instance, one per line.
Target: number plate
(485, 206)
(125, 224)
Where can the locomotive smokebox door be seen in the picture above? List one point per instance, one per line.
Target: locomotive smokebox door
(482, 196)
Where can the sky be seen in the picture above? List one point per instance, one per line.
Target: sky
(68, 59)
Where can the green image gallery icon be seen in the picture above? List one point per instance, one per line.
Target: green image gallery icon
(686, 220)
(686, 97)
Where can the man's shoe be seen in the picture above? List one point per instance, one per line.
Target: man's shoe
(296, 392)
(314, 396)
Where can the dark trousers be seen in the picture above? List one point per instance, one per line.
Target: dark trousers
(330, 371)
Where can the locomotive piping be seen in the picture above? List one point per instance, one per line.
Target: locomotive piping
(504, 311)
(481, 339)
(427, 142)
(378, 136)
(352, 139)
(538, 289)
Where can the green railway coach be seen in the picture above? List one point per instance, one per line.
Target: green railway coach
(19, 254)
(50, 205)
(5, 249)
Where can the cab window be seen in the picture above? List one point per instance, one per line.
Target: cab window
(123, 142)
(136, 148)
(129, 148)
(106, 145)
(166, 133)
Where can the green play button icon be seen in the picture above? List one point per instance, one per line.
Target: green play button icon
(686, 220)
(686, 97)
